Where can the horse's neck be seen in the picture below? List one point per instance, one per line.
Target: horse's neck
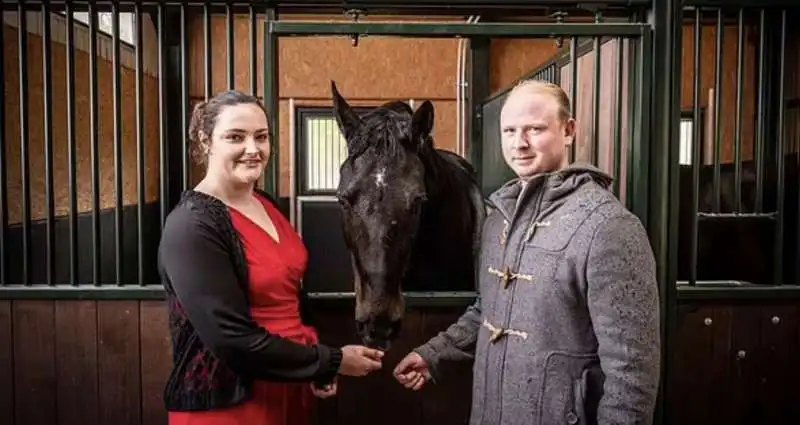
(443, 244)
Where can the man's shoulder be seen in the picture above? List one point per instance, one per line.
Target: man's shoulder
(597, 205)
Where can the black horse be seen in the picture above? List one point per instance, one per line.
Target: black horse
(739, 248)
(412, 214)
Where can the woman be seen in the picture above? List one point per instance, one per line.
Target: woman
(231, 266)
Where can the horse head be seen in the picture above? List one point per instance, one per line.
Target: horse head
(381, 192)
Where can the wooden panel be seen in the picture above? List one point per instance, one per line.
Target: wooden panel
(6, 364)
(34, 362)
(119, 362)
(93, 362)
(729, 80)
(156, 359)
(735, 364)
(76, 351)
(35, 110)
(780, 333)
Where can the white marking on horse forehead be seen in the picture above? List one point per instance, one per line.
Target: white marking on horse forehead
(380, 177)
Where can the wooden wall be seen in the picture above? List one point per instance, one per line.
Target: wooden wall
(101, 362)
(375, 71)
(36, 117)
(736, 363)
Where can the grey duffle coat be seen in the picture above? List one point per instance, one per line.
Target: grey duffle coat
(566, 326)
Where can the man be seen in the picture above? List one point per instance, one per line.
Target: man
(566, 327)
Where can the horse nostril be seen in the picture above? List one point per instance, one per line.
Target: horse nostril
(361, 328)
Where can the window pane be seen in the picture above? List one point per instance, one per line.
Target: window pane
(325, 149)
(686, 142)
(105, 23)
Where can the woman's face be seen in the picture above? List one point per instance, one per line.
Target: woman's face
(240, 145)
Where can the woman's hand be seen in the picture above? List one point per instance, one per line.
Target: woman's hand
(326, 391)
(358, 360)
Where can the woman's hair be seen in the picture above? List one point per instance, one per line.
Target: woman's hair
(204, 119)
(553, 90)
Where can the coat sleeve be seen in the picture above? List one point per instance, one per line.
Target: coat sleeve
(455, 343)
(199, 270)
(622, 295)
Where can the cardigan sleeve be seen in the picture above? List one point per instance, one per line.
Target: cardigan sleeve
(199, 270)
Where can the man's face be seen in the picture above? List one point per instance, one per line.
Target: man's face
(534, 139)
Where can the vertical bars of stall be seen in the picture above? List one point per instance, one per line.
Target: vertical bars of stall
(766, 99)
(3, 176)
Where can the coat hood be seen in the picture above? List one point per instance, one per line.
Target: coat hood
(557, 185)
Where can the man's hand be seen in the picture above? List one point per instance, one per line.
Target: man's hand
(326, 391)
(412, 371)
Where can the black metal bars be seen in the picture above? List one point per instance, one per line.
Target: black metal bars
(737, 201)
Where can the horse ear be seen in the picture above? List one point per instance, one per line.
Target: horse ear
(422, 122)
(347, 119)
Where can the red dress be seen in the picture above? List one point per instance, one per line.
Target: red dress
(275, 272)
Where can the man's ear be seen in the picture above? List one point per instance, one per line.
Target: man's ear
(569, 131)
(422, 122)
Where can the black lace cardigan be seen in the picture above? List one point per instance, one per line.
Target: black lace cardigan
(218, 350)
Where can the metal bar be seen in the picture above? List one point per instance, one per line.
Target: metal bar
(661, 125)
(163, 195)
(780, 154)
(47, 100)
(207, 50)
(478, 91)
(618, 116)
(94, 118)
(270, 97)
(491, 29)
(22, 44)
(573, 64)
(229, 34)
(717, 109)
(184, 100)
(760, 127)
(596, 98)
(640, 151)
(735, 216)
(737, 150)
(3, 176)
(72, 149)
(633, 97)
(140, 156)
(117, 90)
(253, 53)
(695, 161)
(741, 3)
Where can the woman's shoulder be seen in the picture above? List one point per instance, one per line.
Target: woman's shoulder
(196, 211)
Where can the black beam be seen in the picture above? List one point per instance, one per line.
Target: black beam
(479, 90)
(662, 225)
(312, 6)
(173, 108)
(488, 29)
(733, 4)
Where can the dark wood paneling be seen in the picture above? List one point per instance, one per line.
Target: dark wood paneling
(6, 365)
(76, 351)
(92, 362)
(736, 364)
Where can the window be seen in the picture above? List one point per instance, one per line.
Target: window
(321, 150)
(686, 133)
(105, 24)
(686, 137)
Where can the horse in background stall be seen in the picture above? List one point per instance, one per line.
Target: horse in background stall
(411, 214)
(739, 249)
